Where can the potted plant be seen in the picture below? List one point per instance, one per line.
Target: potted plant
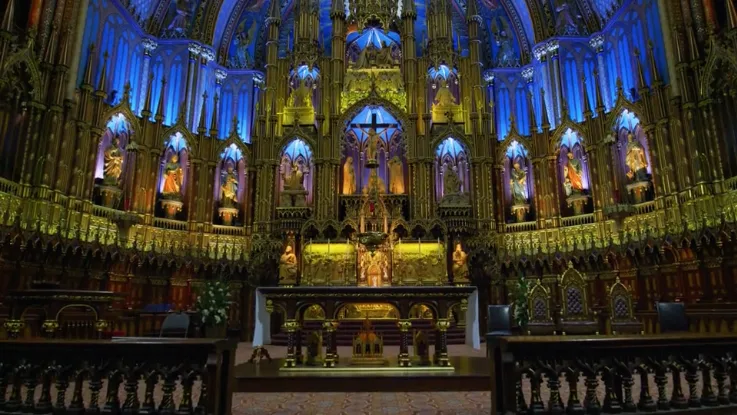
(521, 312)
(213, 303)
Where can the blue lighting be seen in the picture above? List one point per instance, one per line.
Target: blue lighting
(232, 152)
(570, 139)
(375, 36)
(177, 143)
(443, 71)
(450, 147)
(364, 120)
(628, 120)
(298, 149)
(516, 150)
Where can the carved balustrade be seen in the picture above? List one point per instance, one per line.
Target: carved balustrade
(123, 375)
(651, 373)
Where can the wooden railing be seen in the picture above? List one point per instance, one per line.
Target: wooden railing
(671, 373)
(578, 220)
(182, 376)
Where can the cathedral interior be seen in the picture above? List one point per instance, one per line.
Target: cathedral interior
(148, 146)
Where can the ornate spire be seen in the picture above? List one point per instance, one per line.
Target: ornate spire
(472, 12)
(66, 40)
(693, 44)
(214, 120)
(234, 126)
(597, 90)
(88, 67)
(531, 111)
(651, 61)
(337, 9)
(731, 14)
(274, 12)
(544, 109)
(147, 102)
(127, 93)
(202, 127)
(586, 101)
(162, 96)
(50, 49)
(409, 9)
(640, 72)
(103, 74)
(7, 24)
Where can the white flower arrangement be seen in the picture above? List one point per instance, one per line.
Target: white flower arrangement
(213, 302)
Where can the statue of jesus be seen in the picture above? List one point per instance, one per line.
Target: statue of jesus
(373, 140)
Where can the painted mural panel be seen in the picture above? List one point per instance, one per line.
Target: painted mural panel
(241, 47)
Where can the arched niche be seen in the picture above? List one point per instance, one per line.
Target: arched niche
(443, 78)
(517, 182)
(573, 174)
(373, 130)
(303, 86)
(295, 174)
(365, 47)
(230, 184)
(452, 169)
(173, 176)
(111, 161)
(633, 166)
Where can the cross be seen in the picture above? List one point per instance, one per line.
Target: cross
(374, 124)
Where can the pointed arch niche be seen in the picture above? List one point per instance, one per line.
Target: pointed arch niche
(111, 161)
(230, 185)
(295, 174)
(573, 173)
(632, 161)
(452, 169)
(443, 78)
(390, 152)
(368, 42)
(518, 182)
(173, 176)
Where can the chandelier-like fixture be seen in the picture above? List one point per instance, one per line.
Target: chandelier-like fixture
(369, 12)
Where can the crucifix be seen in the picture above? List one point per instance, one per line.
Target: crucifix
(371, 130)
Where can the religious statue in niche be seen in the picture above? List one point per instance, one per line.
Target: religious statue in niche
(288, 267)
(372, 148)
(636, 160)
(349, 177)
(573, 175)
(172, 179)
(451, 183)
(375, 183)
(444, 97)
(180, 15)
(229, 188)
(518, 184)
(241, 56)
(301, 96)
(396, 176)
(565, 21)
(366, 57)
(460, 266)
(505, 55)
(113, 163)
(294, 193)
(384, 56)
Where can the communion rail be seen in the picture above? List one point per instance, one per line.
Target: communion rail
(182, 376)
(668, 373)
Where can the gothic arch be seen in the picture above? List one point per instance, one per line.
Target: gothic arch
(717, 55)
(238, 143)
(25, 58)
(190, 139)
(437, 140)
(616, 112)
(374, 100)
(286, 139)
(513, 135)
(124, 109)
(555, 136)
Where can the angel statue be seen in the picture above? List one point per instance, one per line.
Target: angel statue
(242, 42)
(505, 56)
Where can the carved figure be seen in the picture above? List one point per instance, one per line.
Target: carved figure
(505, 55)
(518, 184)
(367, 55)
(460, 265)
(573, 175)
(301, 96)
(451, 182)
(172, 177)
(384, 56)
(373, 143)
(293, 180)
(113, 167)
(396, 176)
(565, 24)
(243, 41)
(375, 182)
(349, 177)
(636, 160)
(288, 266)
(229, 187)
(444, 97)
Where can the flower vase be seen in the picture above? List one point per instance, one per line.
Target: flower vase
(216, 332)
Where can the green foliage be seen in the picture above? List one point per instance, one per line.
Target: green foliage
(213, 303)
(521, 312)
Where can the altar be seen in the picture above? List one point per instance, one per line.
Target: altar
(446, 305)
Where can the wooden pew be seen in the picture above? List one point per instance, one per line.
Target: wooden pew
(522, 366)
(183, 376)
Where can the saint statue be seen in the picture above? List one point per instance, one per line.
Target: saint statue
(301, 96)
(451, 182)
(242, 43)
(172, 177)
(384, 56)
(293, 181)
(349, 177)
(460, 265)
(113, 163)
(573, 175)
(374, 181)
(229, 187)
(444, 97)
(365, 57)
(179, 22)
(373, 143)
(288, 266)
(518, 184)
(636, 160)
(396, 176)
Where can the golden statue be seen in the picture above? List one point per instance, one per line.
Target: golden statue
(300, 96)
(384, 56)
(229, 187)
(636, 160)
(372, 149)
(460, 265)
(349, 177)
(368, 347)
(451, 182)
(172, 177)
(288, 266)
(294, 180)
(374, 181)
(573, 175)
(518, 185)
(396, 176)
(444, 97)
(113, 167)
